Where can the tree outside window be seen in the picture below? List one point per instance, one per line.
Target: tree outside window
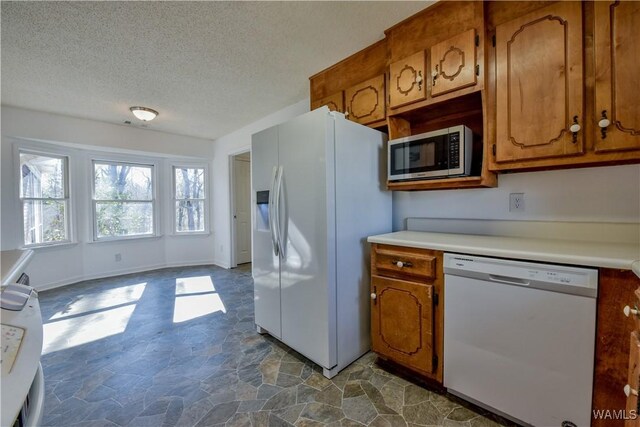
(123, 200)
(190, 198)
(44, 197)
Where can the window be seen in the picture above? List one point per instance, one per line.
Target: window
(44, 195)
(189, 195)
(123, 200)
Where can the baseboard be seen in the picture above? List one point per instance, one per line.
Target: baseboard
(191, 263)
(58, 284)
(223, 264)
(114, 273)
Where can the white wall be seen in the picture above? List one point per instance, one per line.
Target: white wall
(82, 140)
(228, 145)
(603, 194)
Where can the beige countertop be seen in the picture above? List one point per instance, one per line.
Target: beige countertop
(13, 263)
(624, 256)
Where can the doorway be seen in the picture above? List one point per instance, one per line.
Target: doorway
(241, 209)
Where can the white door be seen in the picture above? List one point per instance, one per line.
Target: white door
(242, 214)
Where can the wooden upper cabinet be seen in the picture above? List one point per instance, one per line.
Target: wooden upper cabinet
(407, 80)
(365, 102)
(539, 84)
(402, 322)
(335, 102)
(453, 63)
(617, 83)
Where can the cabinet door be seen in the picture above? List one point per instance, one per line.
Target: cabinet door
(617, 85)
(365, 101)
(406, 83)
(539, 87)
(633, 379)
(335, 102)
(453, 63)
(402, 322)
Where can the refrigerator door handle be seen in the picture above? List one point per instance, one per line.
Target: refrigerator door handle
(277, 210)
(272, 212)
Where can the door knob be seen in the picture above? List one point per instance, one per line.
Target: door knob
(628, 310)
(628, 391)
(604, 124)
(575, 128)
(401, 264)
(373, 295)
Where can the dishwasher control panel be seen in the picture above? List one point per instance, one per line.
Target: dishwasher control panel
(559, 278)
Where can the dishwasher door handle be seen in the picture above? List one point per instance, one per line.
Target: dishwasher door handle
(509, 280)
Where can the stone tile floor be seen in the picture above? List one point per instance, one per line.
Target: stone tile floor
(178, 347)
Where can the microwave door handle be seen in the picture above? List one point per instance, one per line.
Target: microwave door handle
(272, 212)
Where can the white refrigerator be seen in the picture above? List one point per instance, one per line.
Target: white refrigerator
(318, 192)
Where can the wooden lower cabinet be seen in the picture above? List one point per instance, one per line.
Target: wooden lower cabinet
(633, 381)
(402, 322)
(406, 317)
(616, 289)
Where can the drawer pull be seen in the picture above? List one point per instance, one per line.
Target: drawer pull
(628, 310)
(401, 264)
(628, 391)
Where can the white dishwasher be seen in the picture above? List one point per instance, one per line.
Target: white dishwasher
(519, 338)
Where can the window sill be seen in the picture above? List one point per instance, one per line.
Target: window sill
(49, 246)
(125, 239)
(192, 233)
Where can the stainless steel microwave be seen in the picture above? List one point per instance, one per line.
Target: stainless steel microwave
(442, 153)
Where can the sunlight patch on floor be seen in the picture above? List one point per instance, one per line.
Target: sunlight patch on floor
(193, 285)
(84, 303)
(192, 306)
(66, 333)
(196, 297)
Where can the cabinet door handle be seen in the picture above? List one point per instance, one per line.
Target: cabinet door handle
(401, 264)
(434, 76)
(575, 128)
(373, 295)
(419, 80)
(628, 391)
(603, 124)
(628, 310)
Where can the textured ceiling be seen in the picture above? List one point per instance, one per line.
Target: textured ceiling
(209, 68)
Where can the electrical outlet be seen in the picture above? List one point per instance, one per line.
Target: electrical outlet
(118, 257)
(516, 202)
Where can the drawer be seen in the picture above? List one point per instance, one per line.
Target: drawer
(404, 262)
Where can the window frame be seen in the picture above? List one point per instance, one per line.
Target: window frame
(154, 199)
(66, 199)
(174, 199)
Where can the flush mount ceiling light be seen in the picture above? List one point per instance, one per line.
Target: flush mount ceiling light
(143, 113)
